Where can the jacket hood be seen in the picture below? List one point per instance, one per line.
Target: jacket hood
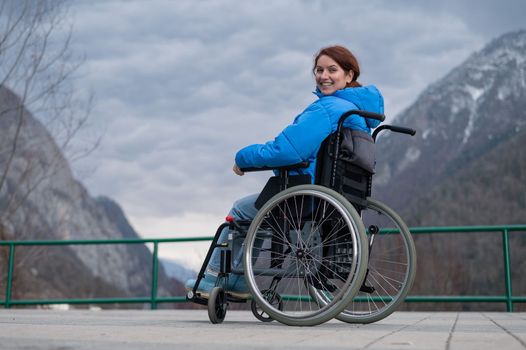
(366, 98)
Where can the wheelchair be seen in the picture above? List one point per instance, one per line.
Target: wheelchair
(318, 251)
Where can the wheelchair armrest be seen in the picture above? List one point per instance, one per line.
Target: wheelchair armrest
(284, 167)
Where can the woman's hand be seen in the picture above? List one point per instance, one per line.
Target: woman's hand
(237, 170)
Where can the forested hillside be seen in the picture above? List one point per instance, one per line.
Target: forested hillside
(465, 166)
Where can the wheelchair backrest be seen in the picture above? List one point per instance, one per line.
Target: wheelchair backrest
(344, 174)
(345, 161)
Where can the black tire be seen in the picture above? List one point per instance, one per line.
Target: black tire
(291, 245)
(217, 305)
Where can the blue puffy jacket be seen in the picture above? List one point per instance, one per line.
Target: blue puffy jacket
(301, 140)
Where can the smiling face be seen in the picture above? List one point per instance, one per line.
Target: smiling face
(329, 76)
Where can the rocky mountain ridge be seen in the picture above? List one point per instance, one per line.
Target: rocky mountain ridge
(40, 200)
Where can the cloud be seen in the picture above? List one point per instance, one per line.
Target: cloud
(182, 85)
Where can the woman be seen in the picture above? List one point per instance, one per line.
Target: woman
(336, 71)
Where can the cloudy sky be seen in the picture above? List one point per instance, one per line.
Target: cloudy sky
(180, 86)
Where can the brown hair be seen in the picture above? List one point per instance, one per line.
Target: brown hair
(345, 59)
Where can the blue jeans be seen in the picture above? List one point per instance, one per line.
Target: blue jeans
(243, 209)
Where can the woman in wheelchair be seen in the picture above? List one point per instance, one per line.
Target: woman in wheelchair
(336, 71)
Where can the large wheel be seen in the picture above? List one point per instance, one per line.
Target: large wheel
(305, 237)
(391, 266)
(217, 305)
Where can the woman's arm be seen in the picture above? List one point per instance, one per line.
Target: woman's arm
(298, 142)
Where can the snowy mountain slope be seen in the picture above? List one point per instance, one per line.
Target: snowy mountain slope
(458, 119)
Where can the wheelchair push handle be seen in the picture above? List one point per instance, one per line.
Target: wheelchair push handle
(365, 114)
(394, 128)
(402, 130)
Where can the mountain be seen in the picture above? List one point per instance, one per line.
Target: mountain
(41, 200)
(490, 190)
(460, 120)
(171, 268)
(465, 166)
(176, 270)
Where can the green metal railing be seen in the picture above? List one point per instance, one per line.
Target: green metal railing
(508, 298)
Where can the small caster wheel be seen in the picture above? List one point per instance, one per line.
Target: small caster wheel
(259, 313)
(217, 305)
(273, 298)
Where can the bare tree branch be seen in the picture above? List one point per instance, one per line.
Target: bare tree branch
(38, 66)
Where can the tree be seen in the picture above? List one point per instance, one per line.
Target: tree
(37, 69)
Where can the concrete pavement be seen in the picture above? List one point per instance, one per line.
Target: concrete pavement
(190, 329)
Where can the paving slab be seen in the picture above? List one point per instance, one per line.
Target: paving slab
(191, 329)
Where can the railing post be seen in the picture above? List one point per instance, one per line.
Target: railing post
(155, 267)
(9, 284)
(507, 270)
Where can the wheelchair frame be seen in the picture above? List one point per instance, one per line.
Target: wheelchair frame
(347, 273)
